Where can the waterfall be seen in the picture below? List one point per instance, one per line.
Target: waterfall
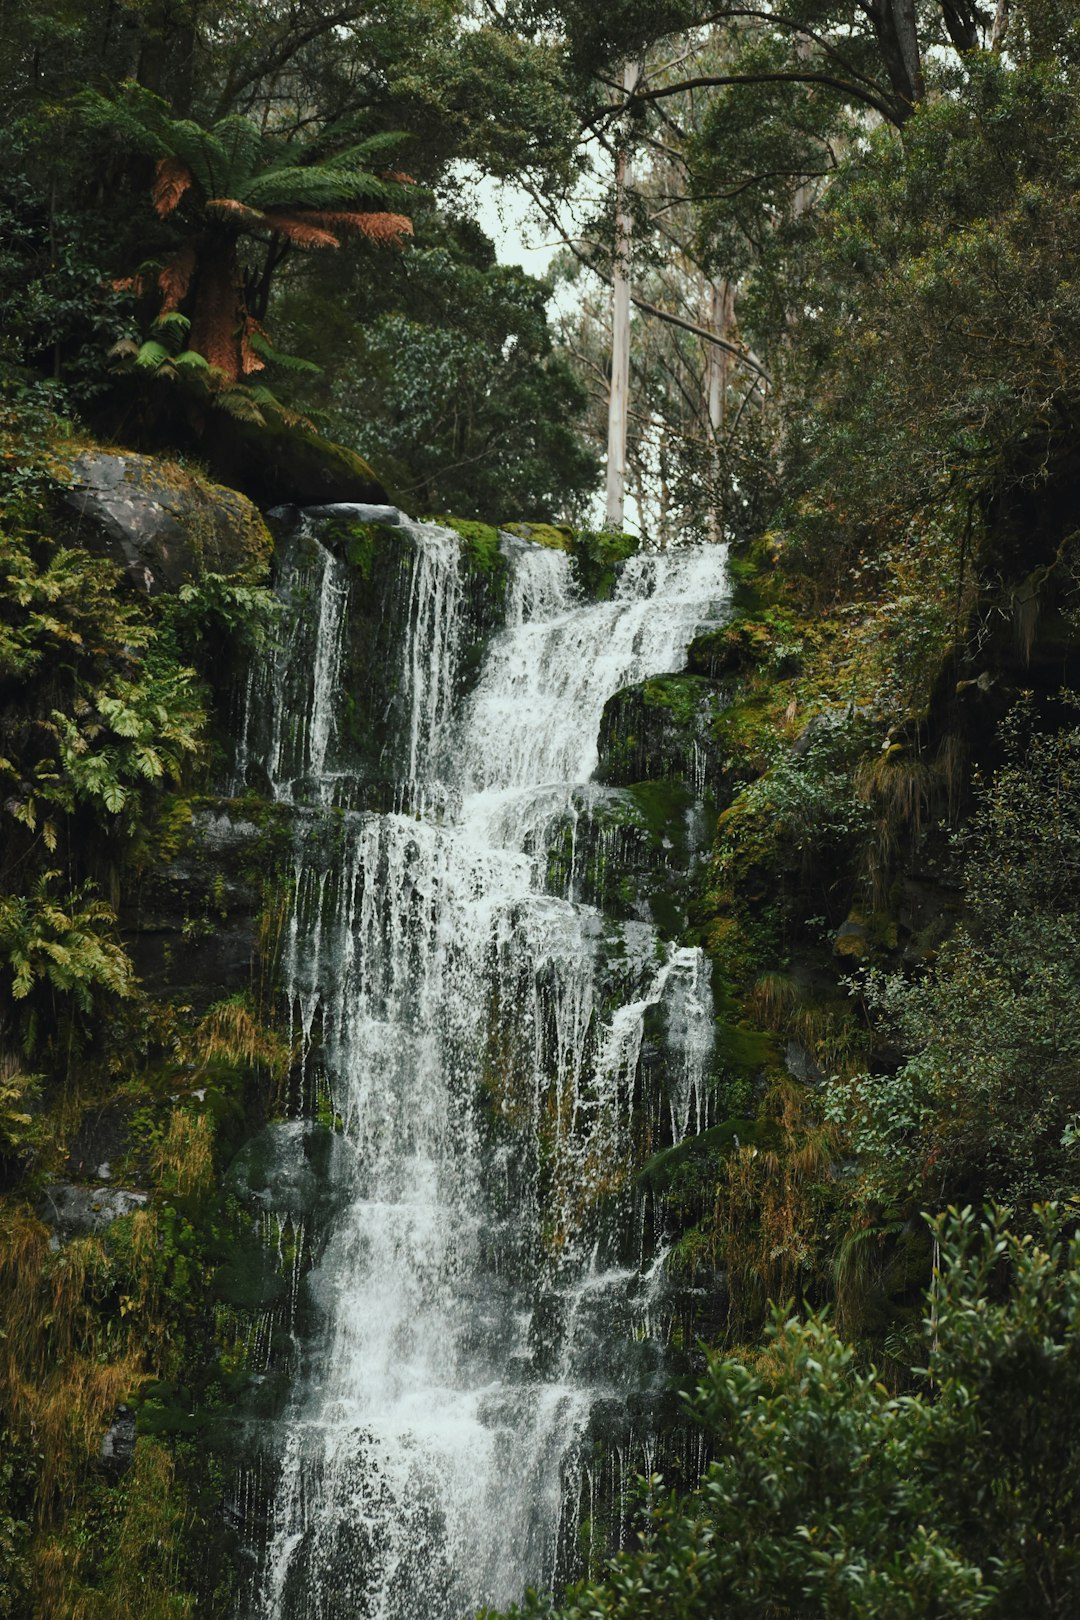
(478, 1038)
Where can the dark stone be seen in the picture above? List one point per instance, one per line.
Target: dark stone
(293, 1167)
(289, 464)
(801, 1066)
(118, 1444)
(192, 927)
(163, 525)
(101, 1139)
(661, 730)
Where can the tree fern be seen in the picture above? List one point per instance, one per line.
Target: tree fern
(233, 180)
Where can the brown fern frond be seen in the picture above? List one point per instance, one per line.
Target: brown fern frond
(239, 210)
(399, 175)
(136, 284)
(172, 178)
(175, 279)
(299, 229)
(249, 360)
(388, 229)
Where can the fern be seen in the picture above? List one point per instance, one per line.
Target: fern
(67, 942)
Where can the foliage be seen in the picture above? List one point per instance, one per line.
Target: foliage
(827, 1495)
(989, 1089)
(449, 384)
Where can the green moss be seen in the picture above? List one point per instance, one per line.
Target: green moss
(556, 536)
(480, 542)
(663, 807)
(659, 1172)
(597, 557)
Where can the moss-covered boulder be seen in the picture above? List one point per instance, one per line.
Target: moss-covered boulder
(283, 463)
(192, 923)
(598, 555)
(292, 1167)
(630, 852)
(662, 729)
(164, 524)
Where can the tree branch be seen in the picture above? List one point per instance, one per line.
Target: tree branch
(744, 356)
(794, 76)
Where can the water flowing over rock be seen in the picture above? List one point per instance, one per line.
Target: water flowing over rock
(485, 1299)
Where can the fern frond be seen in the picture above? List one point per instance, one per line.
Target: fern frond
(244, 145)
(299, 229)
(172, 329)
(361, 153)
(239, 403)
(387, 229)
(171, 179)
(152, 356)
(318, 185)
(192, 361)
(263, 347)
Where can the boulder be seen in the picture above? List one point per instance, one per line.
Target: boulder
(163, 524)
(74, 1211)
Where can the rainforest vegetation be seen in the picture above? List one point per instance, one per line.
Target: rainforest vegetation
(239, 239)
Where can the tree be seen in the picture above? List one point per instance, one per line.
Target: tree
(445, 377)
(233, 182)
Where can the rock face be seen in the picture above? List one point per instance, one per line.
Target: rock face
(164, 525)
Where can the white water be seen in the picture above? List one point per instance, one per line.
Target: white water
(480, 1040)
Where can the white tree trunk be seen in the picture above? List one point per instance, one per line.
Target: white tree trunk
(719, 318)
(618, 398)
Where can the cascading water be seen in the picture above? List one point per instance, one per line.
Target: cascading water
(478, 1038)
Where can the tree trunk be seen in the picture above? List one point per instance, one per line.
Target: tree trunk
(618, 397)
(217, 318)
(720, 318)
(898, 40)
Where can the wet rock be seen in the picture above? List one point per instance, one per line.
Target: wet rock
(164, 525)
(659, 730)
(192, 926)
(118, 1444)
(101, 1138)
(293, 1167)
(852, 938)
(801, 1066)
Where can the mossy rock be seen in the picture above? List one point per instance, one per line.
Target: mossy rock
(630, 853)
(717, 1141)
(555, 536)
(293, 1167)
(598, 558)
(769, 642)
(164, 524)
(661, 729)
(289, 464)
(480, 542)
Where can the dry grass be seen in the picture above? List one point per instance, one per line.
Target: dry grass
(765, 1211)
(183, 1161)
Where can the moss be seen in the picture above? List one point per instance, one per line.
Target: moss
(190, 525)
(663, 807)
(770, 641)
(281, 463)
(480, 543)
(716, 1142)
(556, 536)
